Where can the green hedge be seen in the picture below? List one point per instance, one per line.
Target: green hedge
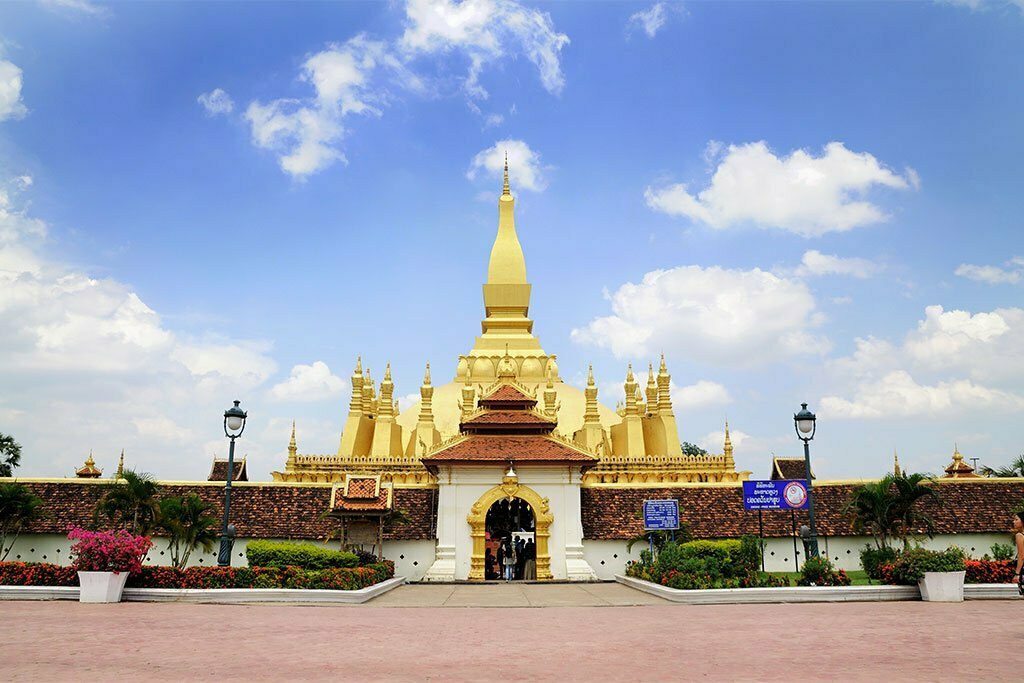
(303, 555)
(705, 564)
(911, 564)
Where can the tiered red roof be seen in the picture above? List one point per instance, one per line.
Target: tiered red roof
(361, 495)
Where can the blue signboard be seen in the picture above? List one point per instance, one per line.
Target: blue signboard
(788, 494)
(661, 514)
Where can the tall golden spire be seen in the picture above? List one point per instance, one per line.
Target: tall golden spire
(505, 191)
(727, 449)
(293, 448)
(630, 388)
(895, 463)
(120, 466)
(385, 406)
(590, 413)
(652, 391)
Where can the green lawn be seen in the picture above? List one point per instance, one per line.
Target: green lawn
(857, 578)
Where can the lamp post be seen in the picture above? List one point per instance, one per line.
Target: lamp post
(234, 425)
(805, 424)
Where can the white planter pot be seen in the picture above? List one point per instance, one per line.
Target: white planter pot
(942, 586)
(101, 586)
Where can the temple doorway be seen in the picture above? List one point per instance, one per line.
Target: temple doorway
(510, 541)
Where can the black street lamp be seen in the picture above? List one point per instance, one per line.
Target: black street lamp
(234, 425)
(806, 424)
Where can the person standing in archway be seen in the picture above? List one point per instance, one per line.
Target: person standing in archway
(508, 559)
(530, 566)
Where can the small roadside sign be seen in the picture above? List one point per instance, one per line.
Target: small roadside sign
(661, 514)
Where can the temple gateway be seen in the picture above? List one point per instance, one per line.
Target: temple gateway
(508, 456)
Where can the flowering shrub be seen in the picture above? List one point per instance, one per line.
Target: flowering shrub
(989, 571)
(36, 574)
(911, 565)
(108, 551)
(818, 571)
(706, 564)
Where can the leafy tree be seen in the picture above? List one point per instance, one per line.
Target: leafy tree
(888, 508)
(10, 455)
(188, 522)
(130, 503)
(692, 449)
(18, 507)
(1014, 469)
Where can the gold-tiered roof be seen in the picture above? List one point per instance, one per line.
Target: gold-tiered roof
(89, 470)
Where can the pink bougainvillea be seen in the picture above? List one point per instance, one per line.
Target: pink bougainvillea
(108, 551)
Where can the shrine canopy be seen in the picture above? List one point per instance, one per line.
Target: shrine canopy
(507, 428)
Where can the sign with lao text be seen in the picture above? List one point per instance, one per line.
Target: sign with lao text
(661, 514)
(790, 494)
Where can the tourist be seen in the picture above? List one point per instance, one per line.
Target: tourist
(489, 571)
(520, 556)
(508, 559)
(530, 568)
(1018, 542)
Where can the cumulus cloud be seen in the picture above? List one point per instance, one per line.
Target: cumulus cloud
(11, 105)
(700, 395)
(306, 133)
(1011, 273)
(800, 193)
(216, 102)
(897, 394)
(309, 383)
(525, 169)
(741, 317)
(92, 351)
(485, 31)
(815, 263)
(649, 20)
(953, 360)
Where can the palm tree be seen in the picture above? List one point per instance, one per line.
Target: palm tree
(910, 489)
(871, 506)
(1014, 469)
(18, 507)
(10, 455)
(130, 503)
(189, 523)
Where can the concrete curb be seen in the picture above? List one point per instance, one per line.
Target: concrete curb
(234, 596)
(748, 596)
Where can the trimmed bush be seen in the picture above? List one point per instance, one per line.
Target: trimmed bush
(37, 574)
(911, 565)
(871, 558)
(706, 564)
(989, 571)
(303, 555)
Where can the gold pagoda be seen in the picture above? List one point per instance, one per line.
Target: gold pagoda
(637, 444)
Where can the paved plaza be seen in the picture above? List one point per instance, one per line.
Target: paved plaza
(585, 632)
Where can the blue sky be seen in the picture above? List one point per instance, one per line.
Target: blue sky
(794, 201)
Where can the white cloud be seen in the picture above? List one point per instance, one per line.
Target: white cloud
(714, 442)
(407, 401)
(309, 383)
(897, 394)
(76, 6)
(485, 31)
(307, 133)
(709, 314)
(699, 395)
(216, 102)
(649, 20)
(800, 193)
(815, 263)
(945, 337)
(11, 106)
(1012, 273)
(525, 169)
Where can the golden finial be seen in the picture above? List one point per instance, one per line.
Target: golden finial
(956, 453)
(291, 442)
(387, 373)
(895, 463)
(650, 375)
(662, 370)
(359, 365)
(629, 373)
(426, 376)
(590, 375)
(120, 466)
(505, 191)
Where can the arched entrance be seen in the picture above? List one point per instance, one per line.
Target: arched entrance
(511, 520)
(477, 518)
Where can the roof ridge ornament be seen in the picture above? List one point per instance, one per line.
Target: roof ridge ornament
(505, 191)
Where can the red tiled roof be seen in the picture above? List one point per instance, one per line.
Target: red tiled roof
(967, 506)
(511, 418)
(789, 468)
(485, 448)
(257, 511)
(360, 487)
(361, 503)
(219, 471)
(506, 393)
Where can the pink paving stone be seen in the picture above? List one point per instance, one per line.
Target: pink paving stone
(910, 641)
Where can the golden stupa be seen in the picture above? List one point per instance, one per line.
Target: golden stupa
(637, 443)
